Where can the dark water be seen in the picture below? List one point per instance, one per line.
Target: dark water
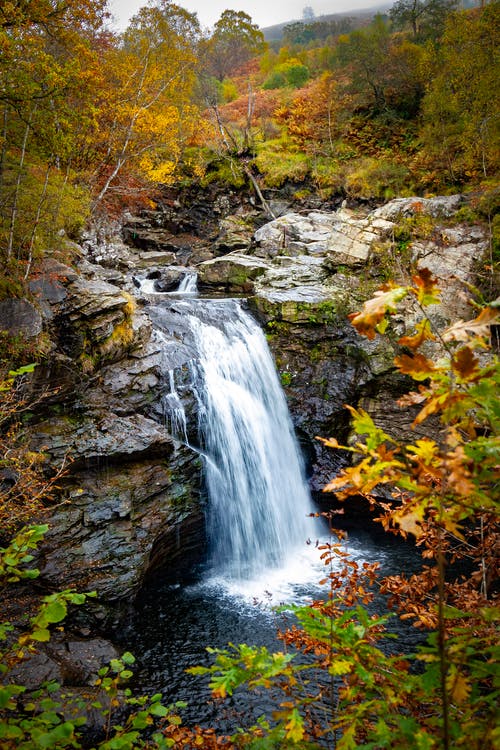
(259, 503)
(171, 626)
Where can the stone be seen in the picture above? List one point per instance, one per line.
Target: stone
(442, 206)
(104, 537)
(19, 317)
(100, 436)
(234, 272)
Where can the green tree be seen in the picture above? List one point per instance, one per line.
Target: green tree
(461, 130)
(384, 70)
(425, 18)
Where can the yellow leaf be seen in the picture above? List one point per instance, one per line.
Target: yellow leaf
(423, 333)
(340, 666)
(409, 521)
(458, 685)
(295, 727)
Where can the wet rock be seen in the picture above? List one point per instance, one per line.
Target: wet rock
(168, 279)
(235, 233)
(234, 272)
(101, 436)
(73, 662)
(104, 536)
(19, 317)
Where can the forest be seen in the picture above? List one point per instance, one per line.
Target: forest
(356, 110)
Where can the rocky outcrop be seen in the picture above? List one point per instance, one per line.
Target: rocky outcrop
(131, 493)
(345, 236)
(132, 498)
(322, 267)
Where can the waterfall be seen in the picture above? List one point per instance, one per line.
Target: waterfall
(189, 283)
(174, 413)
(258, 498)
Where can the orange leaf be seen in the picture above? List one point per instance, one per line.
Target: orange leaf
(374, 310)
(423, 333)
(418, 366)
(426, 288)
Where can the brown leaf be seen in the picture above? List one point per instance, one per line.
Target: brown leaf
(374, 310)
(418, 366)
(426, 288)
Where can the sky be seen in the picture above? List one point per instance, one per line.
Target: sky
(262, 12)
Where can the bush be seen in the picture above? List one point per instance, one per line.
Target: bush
(290, 73)
(375, 178)
(279, 164)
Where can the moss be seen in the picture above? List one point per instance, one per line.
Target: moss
(286, 378)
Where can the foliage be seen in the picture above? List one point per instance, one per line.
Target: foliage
(460, 115)
(375, 178)
(24, 489)
(280, 164)
(344, 688)
(234, 41)
(49, 717)
(290, 73)
(425, 18)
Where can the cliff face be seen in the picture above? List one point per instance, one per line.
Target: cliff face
(132, 498)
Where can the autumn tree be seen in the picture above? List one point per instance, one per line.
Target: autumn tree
(145, 111)
(45, 52)
(234, 41)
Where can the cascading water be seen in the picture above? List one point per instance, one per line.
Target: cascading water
(259, 502)
(257, 511)
(259, 506)
(189, 283)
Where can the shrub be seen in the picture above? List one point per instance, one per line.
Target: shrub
(375, 178)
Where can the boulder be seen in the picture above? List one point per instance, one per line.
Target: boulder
(344, 236)
(442, 206)
(19, 317)
(233, 273)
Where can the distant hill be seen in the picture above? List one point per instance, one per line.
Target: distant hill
(275, 33)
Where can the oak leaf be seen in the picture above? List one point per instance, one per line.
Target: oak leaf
(477, 328)
(424, 333)
(366, 321)
(426, 289)
(465, 364)
(418, 366)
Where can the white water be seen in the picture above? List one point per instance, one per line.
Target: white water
(188, 285)
(173, 410)
(259, 503)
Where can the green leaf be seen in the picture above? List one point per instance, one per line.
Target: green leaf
(41, 634)
(55, 611)
(157, 709)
